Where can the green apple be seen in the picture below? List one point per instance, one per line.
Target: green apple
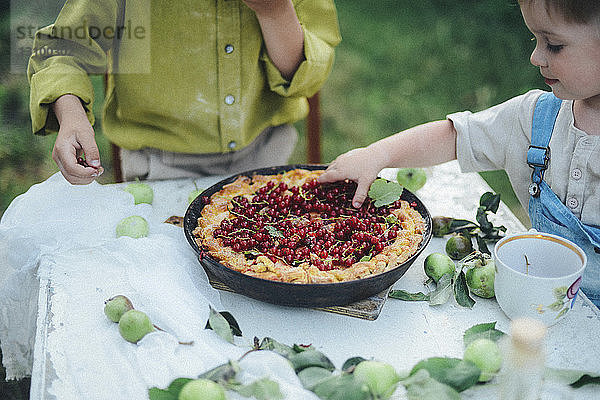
(458, 246)
(202, 389)
(142, 192)
(441, 225)
(133, 226)
(486, 355)
(480, 277)
(411, 178)
(380, 378)
(134, 325)
(116, 306)
(438, 264)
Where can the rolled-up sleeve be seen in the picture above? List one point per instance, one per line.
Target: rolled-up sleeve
(63, 55)
(321, 34)
(489, 139)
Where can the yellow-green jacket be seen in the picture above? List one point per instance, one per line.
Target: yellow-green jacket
(192, 77)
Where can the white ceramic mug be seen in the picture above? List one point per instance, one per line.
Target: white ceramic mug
(537, 275)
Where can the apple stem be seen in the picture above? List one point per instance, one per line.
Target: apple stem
(248, 352)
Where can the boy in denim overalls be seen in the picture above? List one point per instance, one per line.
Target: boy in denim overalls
(561, 189)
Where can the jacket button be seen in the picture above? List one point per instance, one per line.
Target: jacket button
(232, 145)
(229, 99)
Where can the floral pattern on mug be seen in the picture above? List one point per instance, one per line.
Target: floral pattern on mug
(563, 295)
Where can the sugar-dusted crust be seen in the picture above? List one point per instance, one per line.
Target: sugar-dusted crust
(310, 267)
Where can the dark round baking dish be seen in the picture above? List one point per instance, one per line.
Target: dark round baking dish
(294, 294)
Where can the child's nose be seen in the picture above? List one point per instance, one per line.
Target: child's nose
(537, 58)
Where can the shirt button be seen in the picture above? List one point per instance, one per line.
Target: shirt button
(232, 145)
(229, 99)
(572, 202)
(576, 174)
(229, 49)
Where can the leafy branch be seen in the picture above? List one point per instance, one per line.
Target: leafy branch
(482, 229)
(434, 378)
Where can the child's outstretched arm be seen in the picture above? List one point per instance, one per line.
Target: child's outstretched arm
(282, 33)
(421, 146)
(75, 137)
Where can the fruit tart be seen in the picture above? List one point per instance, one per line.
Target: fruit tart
(290, 228)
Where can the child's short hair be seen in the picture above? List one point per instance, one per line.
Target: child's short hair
(576, 11)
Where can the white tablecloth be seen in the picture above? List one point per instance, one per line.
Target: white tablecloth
(59, 244)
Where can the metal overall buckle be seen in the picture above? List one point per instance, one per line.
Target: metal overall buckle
(534, 186)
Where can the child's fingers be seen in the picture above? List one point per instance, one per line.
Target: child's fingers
(90, 149)
(330, 175)
(74, 172)
(361, 193)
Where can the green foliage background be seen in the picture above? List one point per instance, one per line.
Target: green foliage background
(400, 63)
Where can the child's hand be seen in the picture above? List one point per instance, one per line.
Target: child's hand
(75, 139)
(359, 165)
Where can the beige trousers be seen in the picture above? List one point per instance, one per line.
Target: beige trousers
(272, 147)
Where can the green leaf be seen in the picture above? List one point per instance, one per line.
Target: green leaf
(224, 373)
(406, 296)
(458, 224)
(442, 292)
(391, 219)
(486, 331)
(312, 376)
(461, 291)
(262, 389)
(453, 372)
(365, 258)
(350, 363)
(279, 348)
(160, 394)
(482, 245)
(421, 386)
(235, 327)
(342, 387)
(586, 380)
(274, 232)
(218, 323)
(571, 377)
(177, 384)
(482, 219)
(310, 358)
(384, 192)
(171, 393)
(490, 201)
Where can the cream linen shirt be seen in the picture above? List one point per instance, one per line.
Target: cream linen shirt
(498, 138)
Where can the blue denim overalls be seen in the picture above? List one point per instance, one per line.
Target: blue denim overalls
(546, 211)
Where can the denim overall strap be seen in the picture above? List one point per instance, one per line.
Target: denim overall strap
(546, 211)
(538, 154)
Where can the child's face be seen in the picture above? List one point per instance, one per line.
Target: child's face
(568, 54)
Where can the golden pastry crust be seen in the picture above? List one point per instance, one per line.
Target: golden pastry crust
(309, 234)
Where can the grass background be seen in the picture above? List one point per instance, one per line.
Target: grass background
(400, 63)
